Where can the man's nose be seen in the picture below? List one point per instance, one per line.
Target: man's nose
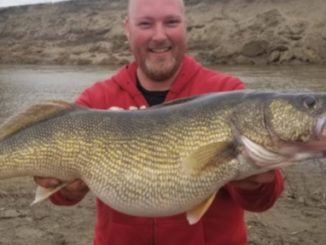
(159, 32)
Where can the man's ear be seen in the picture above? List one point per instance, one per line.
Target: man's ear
(126, 27)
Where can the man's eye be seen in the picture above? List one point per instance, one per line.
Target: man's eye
(173, 23)
(144, 24)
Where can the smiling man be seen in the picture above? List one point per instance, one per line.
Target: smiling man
(157, 38)
(156, 31)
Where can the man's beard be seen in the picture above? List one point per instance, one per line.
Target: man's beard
(161, 69)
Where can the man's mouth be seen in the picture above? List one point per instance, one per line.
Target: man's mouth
(160, 50)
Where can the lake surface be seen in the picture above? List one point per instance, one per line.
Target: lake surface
(21, 86)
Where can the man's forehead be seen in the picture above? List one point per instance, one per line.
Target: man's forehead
(138, 8)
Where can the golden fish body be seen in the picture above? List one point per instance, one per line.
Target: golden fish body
(169, 159)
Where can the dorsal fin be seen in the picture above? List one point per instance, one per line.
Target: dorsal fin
(34, 114)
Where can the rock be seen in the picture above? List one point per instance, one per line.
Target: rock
(9, 214)
(255, 48)
(274, 56)
(270, 18)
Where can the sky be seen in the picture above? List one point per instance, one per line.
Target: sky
(7, 3)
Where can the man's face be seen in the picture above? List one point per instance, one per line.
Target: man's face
(156, 32)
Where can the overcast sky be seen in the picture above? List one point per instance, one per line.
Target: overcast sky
(6, 3)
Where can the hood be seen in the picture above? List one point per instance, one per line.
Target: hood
(126, 78)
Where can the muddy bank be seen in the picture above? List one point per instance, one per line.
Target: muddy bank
(220, 32)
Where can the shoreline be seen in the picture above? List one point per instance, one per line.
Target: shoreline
(234, 32)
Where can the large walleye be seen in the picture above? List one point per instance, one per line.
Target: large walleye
(169, 159)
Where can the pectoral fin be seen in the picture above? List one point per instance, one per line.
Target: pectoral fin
(42, 193)
(194, 215)
(203, 157)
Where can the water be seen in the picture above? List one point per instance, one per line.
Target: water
(21, 86)
(286, 78)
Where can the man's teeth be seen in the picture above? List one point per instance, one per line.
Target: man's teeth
(160, 50)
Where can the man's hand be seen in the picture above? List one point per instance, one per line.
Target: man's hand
(75, 190)
(255, 181)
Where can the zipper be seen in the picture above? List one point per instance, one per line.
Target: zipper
(154, 242)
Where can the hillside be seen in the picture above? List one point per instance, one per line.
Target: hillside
(220, 32)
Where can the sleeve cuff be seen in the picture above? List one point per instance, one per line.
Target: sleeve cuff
(260, 199)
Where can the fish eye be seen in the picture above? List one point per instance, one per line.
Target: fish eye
(309, 102)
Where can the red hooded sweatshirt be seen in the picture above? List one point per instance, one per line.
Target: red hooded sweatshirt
(223, 223)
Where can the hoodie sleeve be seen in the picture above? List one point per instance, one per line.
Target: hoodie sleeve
(260, 199)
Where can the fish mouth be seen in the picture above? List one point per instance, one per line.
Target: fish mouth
(323, 135)
(321, 127)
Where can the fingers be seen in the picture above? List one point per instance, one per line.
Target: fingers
(77, 189)
(255, 181)
(263, 178)
(76, 186)
(47, 182)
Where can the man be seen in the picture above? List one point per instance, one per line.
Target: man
(156, 31)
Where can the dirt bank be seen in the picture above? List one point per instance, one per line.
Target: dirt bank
(220, 32)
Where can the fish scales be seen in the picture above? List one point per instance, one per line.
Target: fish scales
(164, 169)
(169, 159)
(126, 151)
